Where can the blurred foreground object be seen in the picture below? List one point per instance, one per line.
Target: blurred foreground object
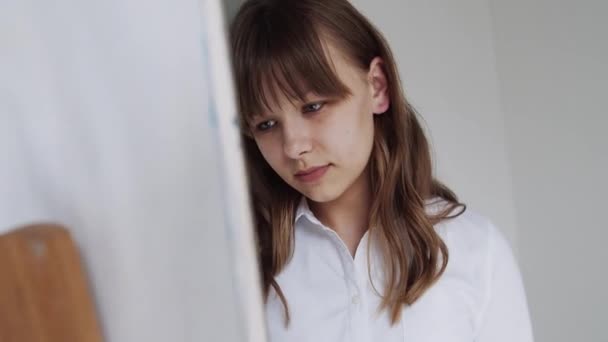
(44, 294)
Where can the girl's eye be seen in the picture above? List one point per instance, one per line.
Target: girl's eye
(313, 107)
(266, 125)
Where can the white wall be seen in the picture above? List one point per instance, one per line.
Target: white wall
(445, 54)
(553, 68)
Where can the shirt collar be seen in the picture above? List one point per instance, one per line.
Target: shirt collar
(431, 204)
(303, 209)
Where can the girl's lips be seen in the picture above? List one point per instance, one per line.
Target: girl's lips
(312, 174)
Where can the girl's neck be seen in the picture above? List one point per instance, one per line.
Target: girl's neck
(347, 215)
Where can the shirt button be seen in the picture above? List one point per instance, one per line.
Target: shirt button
(355, 299)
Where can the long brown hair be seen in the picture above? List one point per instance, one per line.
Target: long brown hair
(279, 44)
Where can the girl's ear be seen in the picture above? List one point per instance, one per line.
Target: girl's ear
(378, 86)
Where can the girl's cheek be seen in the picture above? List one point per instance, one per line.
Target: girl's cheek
(264, 148)
(273, 148)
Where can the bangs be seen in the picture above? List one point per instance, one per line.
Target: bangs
(281, 57)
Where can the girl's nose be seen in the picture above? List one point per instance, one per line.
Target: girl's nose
(296, 140)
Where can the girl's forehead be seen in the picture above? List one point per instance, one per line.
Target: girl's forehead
(286, 78)
(338, 58)
(280, 101)
(278, 95)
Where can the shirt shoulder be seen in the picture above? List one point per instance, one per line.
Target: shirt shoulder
(469, 236)
(476, 250)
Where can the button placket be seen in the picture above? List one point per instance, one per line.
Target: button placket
(354, 286)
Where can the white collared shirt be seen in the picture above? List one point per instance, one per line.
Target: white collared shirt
(480, 296)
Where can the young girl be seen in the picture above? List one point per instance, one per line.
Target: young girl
(357, 240)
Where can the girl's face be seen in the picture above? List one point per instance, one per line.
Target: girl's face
(321, 147)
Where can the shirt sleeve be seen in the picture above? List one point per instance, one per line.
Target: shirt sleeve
(504, 316)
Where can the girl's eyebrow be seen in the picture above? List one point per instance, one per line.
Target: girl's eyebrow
(311, 96)
(256, 117)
